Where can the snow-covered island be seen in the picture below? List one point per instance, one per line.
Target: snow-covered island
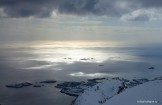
(107, 91)
(115, 91)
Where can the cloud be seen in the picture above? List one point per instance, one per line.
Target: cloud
(125, 9)
(143, 15)
(27, 8)
(148, 3)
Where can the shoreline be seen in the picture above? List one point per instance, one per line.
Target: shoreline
(78, 89)
(123, 86)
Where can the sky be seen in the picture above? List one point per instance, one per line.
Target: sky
(137, 21)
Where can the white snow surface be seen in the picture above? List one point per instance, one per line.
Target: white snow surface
(99, 93)
(149, 93)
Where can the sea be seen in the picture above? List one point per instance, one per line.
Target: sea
(35, 61)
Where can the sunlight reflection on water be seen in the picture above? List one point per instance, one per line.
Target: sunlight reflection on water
(82, 74)
(71, 51)
(56, 55)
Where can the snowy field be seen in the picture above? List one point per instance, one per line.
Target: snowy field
(107, 93)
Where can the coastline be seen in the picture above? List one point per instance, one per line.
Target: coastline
(106, 90)
(101, 90)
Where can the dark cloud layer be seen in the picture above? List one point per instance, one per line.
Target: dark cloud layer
(149, 3)
(44, 8)
(26, 8)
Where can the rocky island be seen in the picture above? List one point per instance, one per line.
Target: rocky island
(105, 90)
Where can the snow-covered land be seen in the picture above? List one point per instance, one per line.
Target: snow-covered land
(99, 93)
(120, 92)
(149, 93)
(108, 91)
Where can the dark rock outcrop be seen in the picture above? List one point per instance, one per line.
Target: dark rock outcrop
(151, 68)
(74, 88)
(48, 81)
(19, 85)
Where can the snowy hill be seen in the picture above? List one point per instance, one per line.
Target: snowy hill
(99, 93)
(147, 93)
(107, 93)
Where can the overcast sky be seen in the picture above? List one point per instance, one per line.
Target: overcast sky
(117, 20)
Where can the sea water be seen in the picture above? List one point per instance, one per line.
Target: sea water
(34, 61)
